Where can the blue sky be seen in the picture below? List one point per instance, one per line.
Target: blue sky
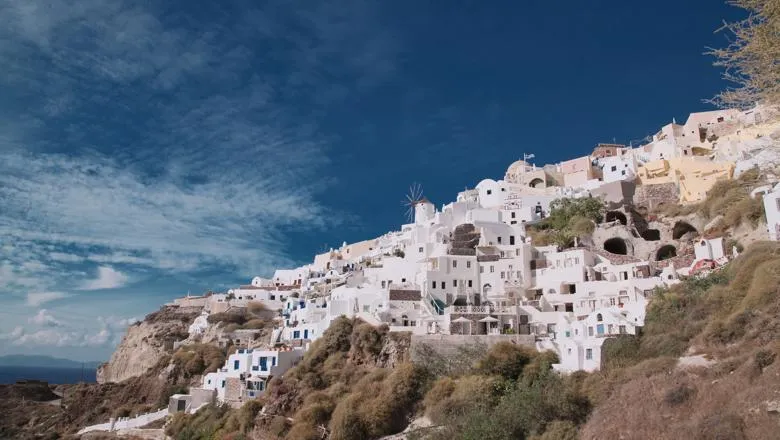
(148, 150)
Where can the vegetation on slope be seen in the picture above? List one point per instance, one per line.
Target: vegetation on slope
(568, 219)
(215, 422)
(731, 317)
(510, 393)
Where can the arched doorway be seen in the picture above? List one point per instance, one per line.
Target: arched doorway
(651, 234)
(616, 246)
(665, 252)
(616, 216)
(536, 183)
(681, 228)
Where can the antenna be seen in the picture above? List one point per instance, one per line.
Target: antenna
(413, 197)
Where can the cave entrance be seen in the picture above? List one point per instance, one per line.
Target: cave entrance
(681, 228)
(665, 252)
(651, 234)
(616, 246)
(616, 216)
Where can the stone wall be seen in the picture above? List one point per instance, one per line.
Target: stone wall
(650, 196)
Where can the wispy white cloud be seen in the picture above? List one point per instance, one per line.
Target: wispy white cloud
(136, 140)
(108, 332)
(107, 278)
(35, 299)
(131, 139)
(44, 318)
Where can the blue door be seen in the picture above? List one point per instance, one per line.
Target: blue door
(600, 329)
(263, 364)
(235, 365)
(306, 334)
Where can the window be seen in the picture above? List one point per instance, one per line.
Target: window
(610, 328)
(622, 329)
(454, 283)
(599, 318)
(623, 172)
(433, 284)
(502, 254)
(296, 334)
(468, 265)
(489, 192)
(236, 364)
(454, 263)
(614, 168)
(590, 331)
(498, 239)
(469, 283)
(502, 275)
(514, 215)
(403, 280)
(383, 284)
(517, 252)
(223, 384)
(511, 239)
(612, 301)
(481, 269)
(589, 354)
(443, 285)
(518, 274)
(492, 269)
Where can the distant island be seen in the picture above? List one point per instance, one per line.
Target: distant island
(22, 360)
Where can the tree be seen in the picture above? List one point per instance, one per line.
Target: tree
(752, 59)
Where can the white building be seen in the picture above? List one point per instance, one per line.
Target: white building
(772, 210)
(246, 373)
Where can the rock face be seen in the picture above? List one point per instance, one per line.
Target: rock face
(146, 343)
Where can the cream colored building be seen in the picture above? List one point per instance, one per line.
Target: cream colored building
(693, 175)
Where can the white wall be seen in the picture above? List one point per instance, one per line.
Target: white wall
(772, 210)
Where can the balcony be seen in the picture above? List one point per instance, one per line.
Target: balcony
(483, 310)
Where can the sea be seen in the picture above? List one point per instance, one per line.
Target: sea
(52, 375)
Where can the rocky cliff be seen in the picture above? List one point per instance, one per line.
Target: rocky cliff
(148, 342)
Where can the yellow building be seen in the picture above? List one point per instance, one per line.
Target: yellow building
(694, 176)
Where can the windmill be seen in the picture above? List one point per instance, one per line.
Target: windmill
(413, 197)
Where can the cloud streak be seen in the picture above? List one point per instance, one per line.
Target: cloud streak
(139, 141)
(35, 299)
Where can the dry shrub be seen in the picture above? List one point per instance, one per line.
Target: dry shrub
(449, 400)
(679, 395)
(506, 359)
(368, 340)
(197, 359)
(225, 318)
(728, 426)
(558, 430)
(764, 358)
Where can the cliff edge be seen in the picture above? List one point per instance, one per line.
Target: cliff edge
(146, 343)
